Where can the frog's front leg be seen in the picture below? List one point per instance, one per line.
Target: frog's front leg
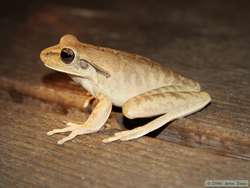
(172, 104)
(96, 120)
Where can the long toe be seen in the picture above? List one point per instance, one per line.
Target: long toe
(65, 139)
(111, 139)
(132, 135)
(63, 130)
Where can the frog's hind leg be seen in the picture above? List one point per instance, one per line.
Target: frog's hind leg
(172, 105)
(93, 124)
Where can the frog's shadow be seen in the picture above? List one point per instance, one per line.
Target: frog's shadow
(133, 123)
(130, 124)
(56, 78)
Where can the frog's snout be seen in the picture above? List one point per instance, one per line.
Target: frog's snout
(48, 54)
(43, 55)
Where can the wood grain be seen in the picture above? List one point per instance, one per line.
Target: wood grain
(206, 41)
(221, 66)
(31, 159)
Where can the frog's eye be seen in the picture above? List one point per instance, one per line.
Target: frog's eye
(84, 64)
(67, 55)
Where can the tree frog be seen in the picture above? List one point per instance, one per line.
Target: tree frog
(140, 86)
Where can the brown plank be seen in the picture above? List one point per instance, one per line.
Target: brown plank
(214, 52)
(29, 158)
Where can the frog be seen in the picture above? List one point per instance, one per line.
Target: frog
(141, 87)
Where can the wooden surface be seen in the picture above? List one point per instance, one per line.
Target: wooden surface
(204, 41)
(31, 159)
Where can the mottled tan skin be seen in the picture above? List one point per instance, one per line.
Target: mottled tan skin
(142, 87)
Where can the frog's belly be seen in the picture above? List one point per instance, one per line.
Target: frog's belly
(119, 96)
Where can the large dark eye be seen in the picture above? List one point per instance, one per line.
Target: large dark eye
(67, 55)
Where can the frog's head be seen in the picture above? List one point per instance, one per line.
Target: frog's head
(67, 57)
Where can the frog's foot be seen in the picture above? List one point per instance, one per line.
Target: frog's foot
(75, 129)
(127, 135)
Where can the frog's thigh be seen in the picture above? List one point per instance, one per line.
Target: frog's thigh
(146, 105)
(176, 105)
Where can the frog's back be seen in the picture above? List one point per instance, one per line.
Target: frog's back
(154, 74)
(133, 74)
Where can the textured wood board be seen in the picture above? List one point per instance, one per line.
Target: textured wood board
(29, 158)
(206, 41)
(198, 40)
